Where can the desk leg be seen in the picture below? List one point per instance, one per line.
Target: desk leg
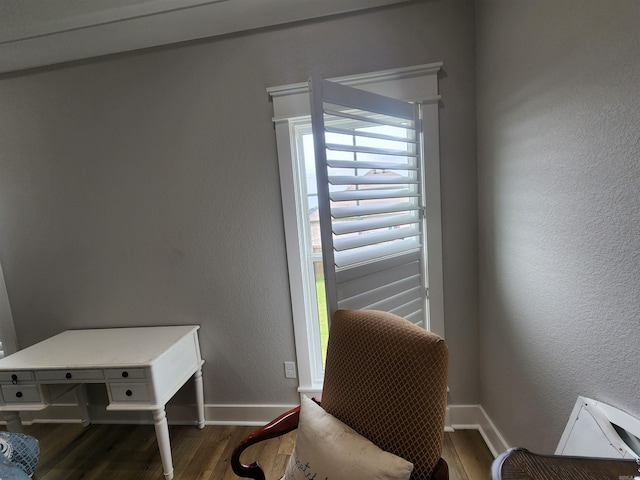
(81, 397)
(162, 434)
(14, 423)
(197, 378)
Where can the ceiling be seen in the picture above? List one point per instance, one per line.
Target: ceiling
(35, 33)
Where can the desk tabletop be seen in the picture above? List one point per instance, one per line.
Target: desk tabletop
(117, 347)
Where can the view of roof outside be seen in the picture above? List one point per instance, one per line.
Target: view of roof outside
(308, 163)
(312, 196)
(314, 215)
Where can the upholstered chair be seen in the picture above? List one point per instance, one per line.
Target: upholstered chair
(386, 378)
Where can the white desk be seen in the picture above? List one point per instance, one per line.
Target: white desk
(141, 367)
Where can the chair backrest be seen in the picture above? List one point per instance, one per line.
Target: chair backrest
(387, 379)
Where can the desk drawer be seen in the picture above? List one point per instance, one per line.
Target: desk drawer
(129, 392)
(20, 394)
(17, 376)
(69, 375)
(125, 373)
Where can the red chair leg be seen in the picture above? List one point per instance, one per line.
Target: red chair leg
(441, 471)
(285, 423)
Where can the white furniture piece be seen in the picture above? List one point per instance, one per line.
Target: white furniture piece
(142, 367)
(596, 429)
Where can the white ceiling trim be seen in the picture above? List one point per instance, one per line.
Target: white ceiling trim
(151, 23)
(41, 19)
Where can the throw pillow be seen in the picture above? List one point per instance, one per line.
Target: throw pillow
(327, 449)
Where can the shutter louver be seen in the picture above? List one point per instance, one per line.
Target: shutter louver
(368, 167)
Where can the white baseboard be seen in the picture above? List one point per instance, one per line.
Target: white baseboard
(62, 413)
(447, 420)
(249, 415)
(466, 417)
(458, 417)
(245, 415)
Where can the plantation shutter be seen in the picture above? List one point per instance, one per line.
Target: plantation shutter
(369, 172)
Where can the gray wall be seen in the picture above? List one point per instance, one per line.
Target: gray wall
(559, 211)
(142, 189)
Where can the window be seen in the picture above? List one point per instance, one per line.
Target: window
(379, 194)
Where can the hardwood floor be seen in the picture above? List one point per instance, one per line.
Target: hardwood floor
(127, 452)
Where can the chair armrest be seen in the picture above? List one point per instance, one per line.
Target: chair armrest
(285, 423)
(441, 471)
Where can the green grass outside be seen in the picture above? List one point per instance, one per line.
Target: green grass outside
(322, 316)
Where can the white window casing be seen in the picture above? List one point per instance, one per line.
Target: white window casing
(8, 342)
(291, 104)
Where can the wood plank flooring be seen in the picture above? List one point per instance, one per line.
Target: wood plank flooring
(128, 452)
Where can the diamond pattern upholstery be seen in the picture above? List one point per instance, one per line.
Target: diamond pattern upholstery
(387, 379)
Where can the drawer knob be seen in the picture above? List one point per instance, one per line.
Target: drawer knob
(19, 394)
(68, 375)
(125, 374)
(14, 378)
(128, 393)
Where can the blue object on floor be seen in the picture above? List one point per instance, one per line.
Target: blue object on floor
(18, 451)
(9, 471)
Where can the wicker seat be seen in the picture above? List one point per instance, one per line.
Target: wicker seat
(385, 378)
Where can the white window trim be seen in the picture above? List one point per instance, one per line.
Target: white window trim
(417, 84)
(8, 341)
